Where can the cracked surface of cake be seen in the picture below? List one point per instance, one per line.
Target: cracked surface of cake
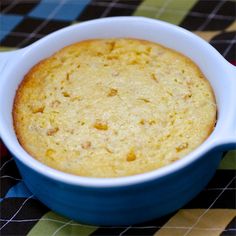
(113, 107)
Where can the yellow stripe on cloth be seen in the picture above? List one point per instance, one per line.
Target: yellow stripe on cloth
(232, 27)
(197, 222)
(207, 35)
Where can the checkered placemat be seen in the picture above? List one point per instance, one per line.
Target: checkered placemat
(22, 22)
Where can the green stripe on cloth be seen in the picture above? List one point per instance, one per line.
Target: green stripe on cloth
(167, 10)
(229, 161)
(4, 49)
(53, 224)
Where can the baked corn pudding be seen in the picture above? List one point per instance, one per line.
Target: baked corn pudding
(113, 107)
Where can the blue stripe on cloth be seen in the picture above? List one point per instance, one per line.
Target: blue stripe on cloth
(7, 23)
(68, 11)
(18, 190)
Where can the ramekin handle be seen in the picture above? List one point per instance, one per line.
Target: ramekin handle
(228, 140)
(234, 118)
(6, 57)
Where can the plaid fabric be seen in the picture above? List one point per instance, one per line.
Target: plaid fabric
(22, 22)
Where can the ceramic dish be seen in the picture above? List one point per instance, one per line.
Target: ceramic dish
(138, 198)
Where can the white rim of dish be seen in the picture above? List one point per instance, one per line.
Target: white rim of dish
(63, 177)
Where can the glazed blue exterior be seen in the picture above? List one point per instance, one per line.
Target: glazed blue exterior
(124, 205)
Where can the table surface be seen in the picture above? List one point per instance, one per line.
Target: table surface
(22, 22)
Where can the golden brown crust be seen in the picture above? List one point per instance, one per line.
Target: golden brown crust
(115, 107)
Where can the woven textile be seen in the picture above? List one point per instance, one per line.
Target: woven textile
(22, 22)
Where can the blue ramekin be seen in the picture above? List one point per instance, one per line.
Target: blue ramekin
(132, 199)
